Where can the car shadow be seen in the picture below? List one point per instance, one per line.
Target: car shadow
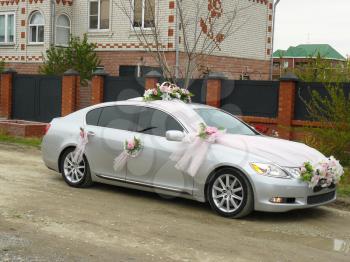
(300, 214)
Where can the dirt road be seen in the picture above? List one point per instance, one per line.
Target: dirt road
(42, 219)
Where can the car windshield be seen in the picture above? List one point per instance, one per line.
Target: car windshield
(220, 119)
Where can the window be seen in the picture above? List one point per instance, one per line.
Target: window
(99, 14)
(93, 116)
(62, 30)
(119, 117)
(144, 11)
(285, 64)
(156, 122)
(7, 28)
(36, 28)
(220, 119)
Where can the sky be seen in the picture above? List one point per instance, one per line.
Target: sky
(313, 22)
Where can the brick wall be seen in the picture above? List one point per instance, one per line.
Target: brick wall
(230, 66)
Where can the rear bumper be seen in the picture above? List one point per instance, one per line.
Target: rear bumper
(301, 195)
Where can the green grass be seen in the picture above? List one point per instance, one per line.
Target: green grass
(32, 142)
(344, 185)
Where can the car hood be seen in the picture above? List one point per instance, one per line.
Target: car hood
(279, 151)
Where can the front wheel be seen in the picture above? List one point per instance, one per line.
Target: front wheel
(75, 174)
(230, 194)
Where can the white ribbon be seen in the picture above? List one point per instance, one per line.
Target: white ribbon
(191, 156)
(80, 149)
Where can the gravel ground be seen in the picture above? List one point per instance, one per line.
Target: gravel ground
(43, 219)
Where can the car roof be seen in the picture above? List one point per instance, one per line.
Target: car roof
(181, 110)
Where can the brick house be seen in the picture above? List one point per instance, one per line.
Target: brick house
(29, 27)
(300, 55)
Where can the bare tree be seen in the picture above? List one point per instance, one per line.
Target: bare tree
(201, 26)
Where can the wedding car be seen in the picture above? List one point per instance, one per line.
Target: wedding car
(185, 150)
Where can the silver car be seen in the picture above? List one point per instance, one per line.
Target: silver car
(230, 179)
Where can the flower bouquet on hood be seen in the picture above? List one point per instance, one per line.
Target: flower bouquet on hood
(167, 91)
(325, 173)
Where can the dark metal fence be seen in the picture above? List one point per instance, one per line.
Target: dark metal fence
(122, 88)
(36, 97)
(198, 88)
(303, 94)
(250, 98)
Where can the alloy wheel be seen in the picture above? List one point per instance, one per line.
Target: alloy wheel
(227, 193)
(74, 172)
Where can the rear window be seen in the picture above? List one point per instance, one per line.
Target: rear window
(119, 117)
(93, 116)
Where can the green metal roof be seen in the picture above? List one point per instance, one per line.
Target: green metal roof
(305, 51)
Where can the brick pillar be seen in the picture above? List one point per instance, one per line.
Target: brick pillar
(98, 81)
(6, 92)
(152, 78)
(214, 84)
(69, 90)
(286, 103)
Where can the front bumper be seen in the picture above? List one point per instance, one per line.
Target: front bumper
(266, 188)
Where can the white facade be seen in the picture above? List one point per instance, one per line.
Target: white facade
(251, 39)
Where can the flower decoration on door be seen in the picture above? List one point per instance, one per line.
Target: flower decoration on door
(132, 148)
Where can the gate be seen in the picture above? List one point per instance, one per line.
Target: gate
(36, 97)
(122, 88)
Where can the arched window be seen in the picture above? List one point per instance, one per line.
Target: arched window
(62, 30)
(36, 28)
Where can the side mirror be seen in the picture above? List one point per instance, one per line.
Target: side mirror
(174, 135)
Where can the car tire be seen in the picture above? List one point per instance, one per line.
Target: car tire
(81, 178)
(236, 193)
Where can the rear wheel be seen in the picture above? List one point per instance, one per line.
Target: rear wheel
(230, 194)
(75, 174)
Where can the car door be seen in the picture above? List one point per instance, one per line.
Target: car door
(153, 166)
(106, 142)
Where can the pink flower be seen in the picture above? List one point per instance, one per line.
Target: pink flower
(155, 92)
(131, 144)
(210, 130)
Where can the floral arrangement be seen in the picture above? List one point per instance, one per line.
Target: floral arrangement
(167, 91)
(325, 173)
(209, 133)
(132, 148)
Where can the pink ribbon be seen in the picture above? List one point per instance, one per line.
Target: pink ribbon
(191, 157)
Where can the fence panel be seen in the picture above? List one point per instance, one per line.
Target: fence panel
(122, 88)
(36, 97)
(198, 88)
(303, 94)
(250, 98)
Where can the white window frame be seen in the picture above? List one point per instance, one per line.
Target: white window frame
(66, 27)
(143, 16)
(6, 14)
(37, 31)
(99, 17)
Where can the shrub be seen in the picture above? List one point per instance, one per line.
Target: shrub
(333, 112)
(79, 55)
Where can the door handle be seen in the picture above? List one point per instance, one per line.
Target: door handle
(90, 133)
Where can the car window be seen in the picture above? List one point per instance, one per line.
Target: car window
(220, 119)
(93, 116)
(119, 117)
(156, 122)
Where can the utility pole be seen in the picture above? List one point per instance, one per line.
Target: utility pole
(273, 35)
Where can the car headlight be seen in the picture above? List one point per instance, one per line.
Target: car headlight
(293, 171)
(269, 170)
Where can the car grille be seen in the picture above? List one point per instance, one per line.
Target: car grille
(320, 198)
